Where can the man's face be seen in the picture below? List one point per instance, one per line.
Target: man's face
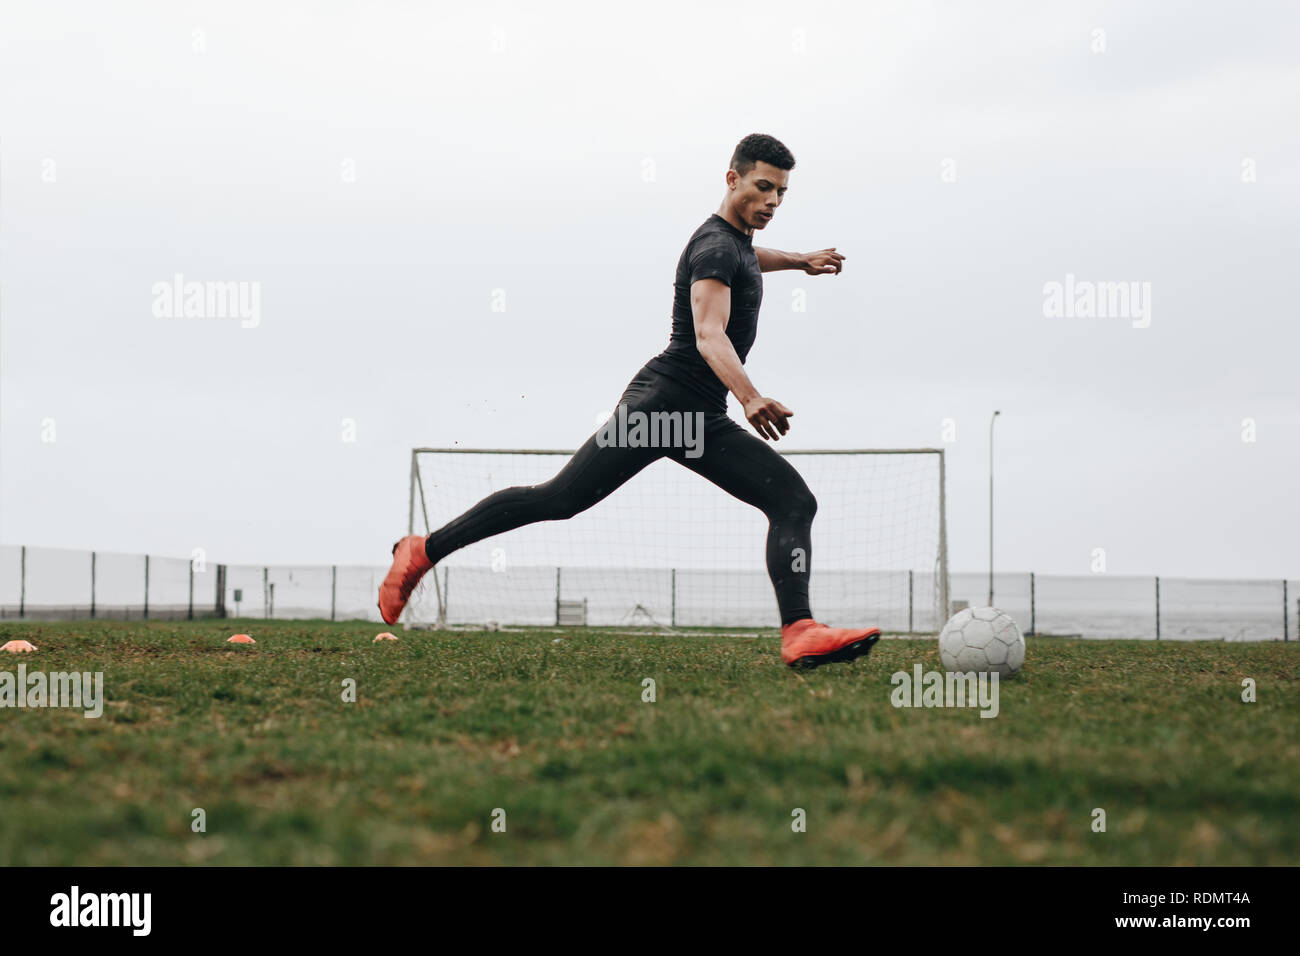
(756, 196)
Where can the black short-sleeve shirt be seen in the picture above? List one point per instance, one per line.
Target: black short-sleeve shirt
(717, 250)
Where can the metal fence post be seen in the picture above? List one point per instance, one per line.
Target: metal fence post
(92, 584)
(1033, 605)
(673, 618)
(334, 583)
(446, 596)
(146, 587)
(266, 592)
(220, 606)
(1157, 607)
(945, 595)
(1286, 631)
(909, 601)
(557, 597)
(189, 616)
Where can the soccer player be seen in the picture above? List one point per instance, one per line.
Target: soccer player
(716, 298)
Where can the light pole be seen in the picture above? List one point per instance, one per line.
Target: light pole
(992, 419)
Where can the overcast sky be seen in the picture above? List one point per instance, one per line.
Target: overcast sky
(379, 169)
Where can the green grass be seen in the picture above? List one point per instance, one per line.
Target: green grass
(448, 727)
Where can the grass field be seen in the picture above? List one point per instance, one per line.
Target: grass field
(448, 727)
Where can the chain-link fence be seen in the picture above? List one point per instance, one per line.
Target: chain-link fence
(58, 584)
(1156, 608)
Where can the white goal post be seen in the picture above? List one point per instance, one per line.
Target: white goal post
(670, 550)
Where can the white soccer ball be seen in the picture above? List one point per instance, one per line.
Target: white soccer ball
(983, 640)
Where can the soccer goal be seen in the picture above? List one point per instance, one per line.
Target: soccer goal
(670, 550)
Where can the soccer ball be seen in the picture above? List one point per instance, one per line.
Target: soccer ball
(983, 640)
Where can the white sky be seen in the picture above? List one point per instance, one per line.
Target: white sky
(503, 146)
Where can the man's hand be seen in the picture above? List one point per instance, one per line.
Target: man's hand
(823, 262)
(768, 416)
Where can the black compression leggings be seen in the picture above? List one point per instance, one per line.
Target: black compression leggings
(738, 462)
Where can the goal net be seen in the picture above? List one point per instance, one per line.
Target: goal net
(669, 549)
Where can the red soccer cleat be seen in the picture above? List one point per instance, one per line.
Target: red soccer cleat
(409, 564)
(806, 644)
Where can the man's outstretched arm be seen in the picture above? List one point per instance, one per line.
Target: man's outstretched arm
(711, 308)
(821, 262)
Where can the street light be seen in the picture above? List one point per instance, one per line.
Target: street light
(992, 419)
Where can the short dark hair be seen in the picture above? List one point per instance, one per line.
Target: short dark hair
(759, 147)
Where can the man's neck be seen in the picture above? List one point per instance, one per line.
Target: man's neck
(741, 226)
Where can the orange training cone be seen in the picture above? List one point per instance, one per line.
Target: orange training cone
(18, 647)
(241, 639)
(383, 637)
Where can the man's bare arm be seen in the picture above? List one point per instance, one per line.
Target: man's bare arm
(711, 308)
(821, 262)
(774, 260)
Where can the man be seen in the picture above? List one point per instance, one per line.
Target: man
(718, 291)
